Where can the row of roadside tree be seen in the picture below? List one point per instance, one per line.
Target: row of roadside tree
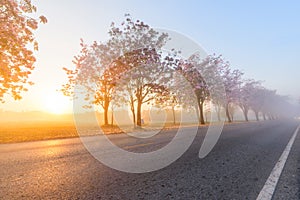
(133, 68)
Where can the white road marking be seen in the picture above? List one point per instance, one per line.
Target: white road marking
(269, 188)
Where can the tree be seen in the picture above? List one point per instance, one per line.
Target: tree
(247, 95)
(141, 61)
(16, 57)
(214, 77)
(168, 100)
(231, 110)
(127, 56)
(258, 100)
(232, 79)
(275, 106)
(194, 77)
(142, 82)
(93, 72)
(203, 76)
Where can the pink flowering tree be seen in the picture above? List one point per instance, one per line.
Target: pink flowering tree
(232, 79)
(17, 39)
(145, 70)
(92, 73)
(203, 76)
(247, 95)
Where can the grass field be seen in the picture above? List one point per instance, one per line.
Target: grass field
(28, 131)
(12, 132)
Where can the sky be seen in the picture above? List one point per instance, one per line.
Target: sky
(261, 38)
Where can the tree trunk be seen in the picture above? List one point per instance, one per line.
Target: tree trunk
(256, 115)
(202, 121)
(264, 115)
(218, 111)
(139, 114)
(106, 106)
(132, 110)
(133, 116)
(219, 114)
(112, 117)
(174, 117)
(197, 112)
(245, 111)
(200, 105)
(228, 113)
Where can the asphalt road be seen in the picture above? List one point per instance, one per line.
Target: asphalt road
(237, 168)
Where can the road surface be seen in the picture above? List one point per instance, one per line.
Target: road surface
(237, 168)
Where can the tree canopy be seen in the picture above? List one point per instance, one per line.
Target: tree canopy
(131, 67)
(16, 55)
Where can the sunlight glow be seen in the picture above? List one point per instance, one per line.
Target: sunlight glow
(56, 103)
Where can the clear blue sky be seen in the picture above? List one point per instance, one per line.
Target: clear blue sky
(262, 38)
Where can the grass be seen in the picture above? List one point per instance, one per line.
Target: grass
(28, 131)
(13, 132)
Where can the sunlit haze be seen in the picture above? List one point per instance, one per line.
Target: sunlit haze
(259, 37)
(161, 99)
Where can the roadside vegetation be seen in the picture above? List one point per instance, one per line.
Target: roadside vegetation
(131, 68)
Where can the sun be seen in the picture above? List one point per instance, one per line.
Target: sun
(56, 103)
